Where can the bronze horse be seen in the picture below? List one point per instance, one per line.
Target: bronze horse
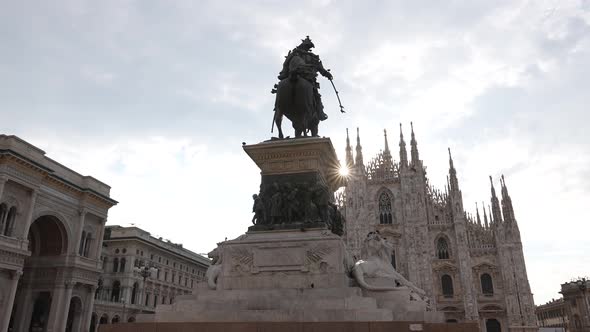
(297, 101)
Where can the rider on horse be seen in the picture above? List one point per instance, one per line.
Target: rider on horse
(302, 62)
(298, 96)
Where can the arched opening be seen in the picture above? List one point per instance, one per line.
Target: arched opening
(116, 291)
(104, 319)
(131, 320)
(493, 325)
(87, 242)
(115, 319)
(115, 265)
(74, 320)
(9, 223)
(447, 285)
(82, 242)
(487, 287)
(385, 211)
(3, 215)
(40, 312)
(47, 237)
(442, 248)
(93, 320)
(122, 265)
(134, 293)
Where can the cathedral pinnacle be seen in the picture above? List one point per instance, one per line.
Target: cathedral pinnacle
(507, 209)
(414, 145)
(485, 216)
(477, 214)
(349, 158)
(496, 214)
(386, 152)
(453, 181)
(359, 150)
(403, 155)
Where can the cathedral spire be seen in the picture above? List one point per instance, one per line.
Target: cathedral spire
(497, 216)
(349, 158)
(386, 152)
(414, 145)
(485, 216)
(359, 150)
(403, 155)
(507, 208)
(453, 182)
(477, 214)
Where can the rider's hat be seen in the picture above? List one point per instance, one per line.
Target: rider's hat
(307, 42)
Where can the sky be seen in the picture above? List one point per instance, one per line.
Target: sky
(155, 99)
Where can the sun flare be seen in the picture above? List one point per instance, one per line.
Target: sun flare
(343, 171)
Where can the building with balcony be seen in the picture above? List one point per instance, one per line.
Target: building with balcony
(551, 314)
(576, 303)
(51, 228)
(124, 291)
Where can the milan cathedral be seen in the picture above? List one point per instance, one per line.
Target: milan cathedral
(471, 266)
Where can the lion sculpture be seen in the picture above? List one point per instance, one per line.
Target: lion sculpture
(376, 264)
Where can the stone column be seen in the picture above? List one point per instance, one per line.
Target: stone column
(3, 180)
(99, 237)
(28, 220)
(60, 305)
(7, 310)
(24, 310)
(78, 238)
(88, 308)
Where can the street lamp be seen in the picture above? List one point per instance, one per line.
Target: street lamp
(145, 271)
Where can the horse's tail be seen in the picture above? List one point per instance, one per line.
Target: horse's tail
(360, 279)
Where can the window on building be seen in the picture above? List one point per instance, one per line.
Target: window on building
(7, 221)
(147, 299)
(173, 277)
(116, 251)
(115, 265)
(442, 248)
(158, 274)
(82, 239)
(124, 250)
(393, 263)
(152, 256)
(166, 276)
(185, 281)
(116, 291)
(179, 279)
(122, 265)
(487, 287)
(87, 242)
(134, 292)
(447, 285)
(155, 300)
(163, 299)
(385, 212)
(192, 283)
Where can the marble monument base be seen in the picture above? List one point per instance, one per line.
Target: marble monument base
(288, 276)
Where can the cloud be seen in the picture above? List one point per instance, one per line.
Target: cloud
(155, 99)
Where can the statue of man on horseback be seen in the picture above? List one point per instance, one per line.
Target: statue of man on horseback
(298, 97)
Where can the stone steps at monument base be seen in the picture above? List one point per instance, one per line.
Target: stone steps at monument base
(338, 292)
(280, 315)
(274, 302)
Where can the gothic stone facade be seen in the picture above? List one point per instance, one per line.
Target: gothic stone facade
(472, 270)
(51, 225)
(123, 293)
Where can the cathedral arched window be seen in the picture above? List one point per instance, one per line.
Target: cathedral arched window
(442, 248)
(385, 211)
(116, 291)
(115, 265)
(447, 285)
(487, 287)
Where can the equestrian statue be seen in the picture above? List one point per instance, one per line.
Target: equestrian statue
(297, 93)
